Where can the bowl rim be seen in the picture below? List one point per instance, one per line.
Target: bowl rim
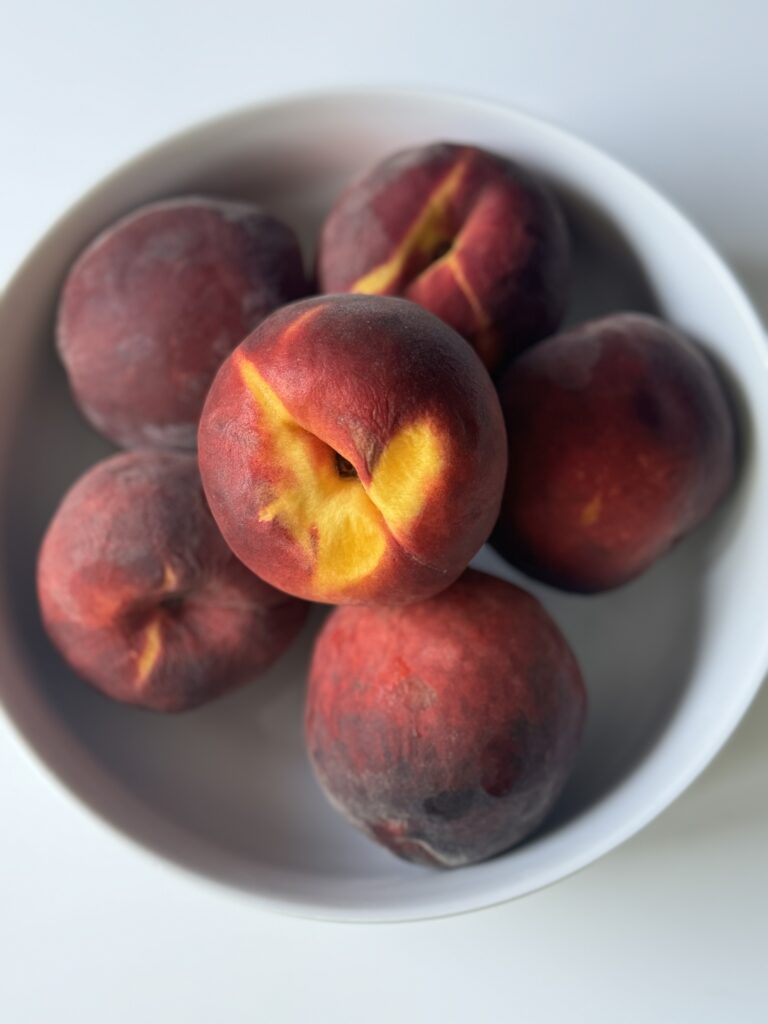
(699, 757)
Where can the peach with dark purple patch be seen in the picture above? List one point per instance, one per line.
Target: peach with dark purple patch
(141, 595)
(474, 238)
(445, 730)
(153, 306)
(621, 442)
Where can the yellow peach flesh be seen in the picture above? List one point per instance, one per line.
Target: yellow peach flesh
(427, 233)
(152, 645)
(406, 470)
(481, 317)
(342, 526)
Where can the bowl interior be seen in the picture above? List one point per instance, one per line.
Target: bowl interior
(671, 660)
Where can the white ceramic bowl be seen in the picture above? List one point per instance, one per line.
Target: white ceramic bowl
(671, 661)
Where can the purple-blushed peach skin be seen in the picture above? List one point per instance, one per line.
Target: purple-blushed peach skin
(621, 442)
(445, 730)
(352, 449)
(153, 306)
(473, 237)
(143, 598)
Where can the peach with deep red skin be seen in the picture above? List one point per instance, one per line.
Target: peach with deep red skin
(156, 302)
(621, 442)
(471, 236)
(141, 595)
(445, 730)
(352, 449)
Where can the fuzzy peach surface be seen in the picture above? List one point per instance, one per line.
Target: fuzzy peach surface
(141, 595)
(155, 303)
(621, 441)
(352, 449)
(469, 235)
(445, 730)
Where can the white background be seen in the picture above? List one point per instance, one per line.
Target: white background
(671, 927)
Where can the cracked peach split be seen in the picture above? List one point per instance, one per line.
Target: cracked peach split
(352, 449)
(143, 598)
(469, 235)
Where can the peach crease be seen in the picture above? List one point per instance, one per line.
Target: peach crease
(152, 645)
(426, 235)
(482, 320)
(342, 525)
(152, 636)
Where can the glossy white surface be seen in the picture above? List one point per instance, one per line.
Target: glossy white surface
(681, 908)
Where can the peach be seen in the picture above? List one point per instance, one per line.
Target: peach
(621, 442)
(153, 305)
(445, 730)
(352, 449)
(141, 595)
(471, 236)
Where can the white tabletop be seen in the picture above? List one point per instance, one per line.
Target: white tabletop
(671, 927)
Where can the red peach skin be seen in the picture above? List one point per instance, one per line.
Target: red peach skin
(473, 237)
(156, 302)
(141, 595)
(352, 449)
(621, 443)
(445, 730)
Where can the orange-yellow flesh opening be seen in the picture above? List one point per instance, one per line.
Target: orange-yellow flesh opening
(426, 235)
(482, 320)
(407, 469)
(342, 526)
(151, 646)
(170, 579)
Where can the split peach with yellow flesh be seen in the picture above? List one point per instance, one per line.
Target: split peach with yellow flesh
(352, 449)
(142, 596)
(469, 235)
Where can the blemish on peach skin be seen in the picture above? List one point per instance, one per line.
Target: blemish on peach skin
(591, 511)
(170, 578)
(402, 666)
(502, 768)
(415, 694)
(450, 805)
